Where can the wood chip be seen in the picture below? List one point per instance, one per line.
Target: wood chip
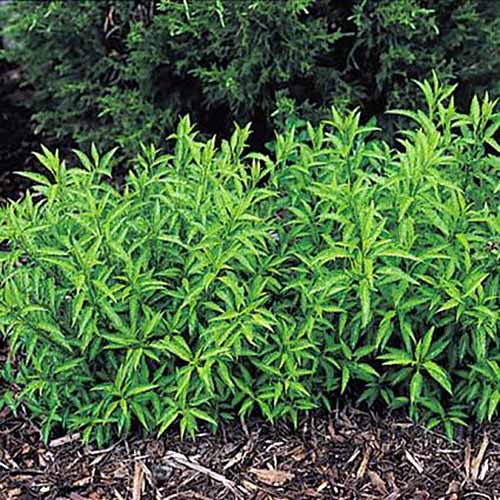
(298, 453)
(357, 451)
(454, 487)
(364, 464)
(273, 463)
(272, 477)
(478, 459)
(83, 481)
(484, 470)
(333, 433)
(421, 495)
(331, 429)
(467, 458)
(64, 440)
(240, 456)
(418, 466)
(250, 486)
(176, 459)
(138, 481)
(322, 486)
(117, 494)
(76, 496)
(377, 482)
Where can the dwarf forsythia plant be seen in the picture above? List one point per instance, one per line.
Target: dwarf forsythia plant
(221, 282)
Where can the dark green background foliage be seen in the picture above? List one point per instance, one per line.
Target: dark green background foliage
(121, 71)
(221, 281)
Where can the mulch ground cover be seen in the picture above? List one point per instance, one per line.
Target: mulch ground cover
(346, 455)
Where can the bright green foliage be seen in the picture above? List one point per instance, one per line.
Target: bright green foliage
(122, 71)
(221, 282)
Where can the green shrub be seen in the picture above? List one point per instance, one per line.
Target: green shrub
(220, 281)
(122, 71)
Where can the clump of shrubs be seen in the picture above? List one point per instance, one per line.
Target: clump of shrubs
(118, 72)
(220, 282)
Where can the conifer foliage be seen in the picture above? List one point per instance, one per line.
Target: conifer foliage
(118, 72)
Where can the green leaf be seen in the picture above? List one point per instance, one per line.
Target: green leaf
(364, 296)
(397, 357)
(416, 387)
(385, 329)
(439, 375)
(38, 178)
(140, 413)
(167, 420)
(203, 416)
(396, 253)
(475, 111)
(55, 333)
(113, 316)
(345, 378)
(140, 389)
(424, 344)
(178, 346)
(493, 404)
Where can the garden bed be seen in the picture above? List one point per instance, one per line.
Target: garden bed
(348, 455)
(279, 271)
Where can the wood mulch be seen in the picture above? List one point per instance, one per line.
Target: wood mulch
(346, 455)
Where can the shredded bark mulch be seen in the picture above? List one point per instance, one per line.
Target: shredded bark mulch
(345, 455)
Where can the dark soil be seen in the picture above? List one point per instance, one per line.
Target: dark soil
(17, 139)
(346, 455)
